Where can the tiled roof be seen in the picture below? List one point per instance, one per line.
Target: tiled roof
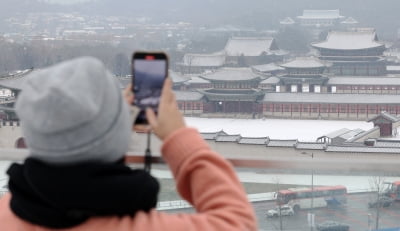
(331, 98)
(252, 140)
(212, 135)
(204, 60)
(349, 20)
(177, 77)
(363, 134)
(227, 138)
(287, 21)
(320, 14)
(337, 133)
(271, 80)
(373, 81)
(304, 62)
(267, 67)
(349, 40)
(311, 146)
(387, 143)
(196, 79)
(248, 46)
(353, 149)
(231, 74)
(188, 95)
(387, 116)
(282, 143)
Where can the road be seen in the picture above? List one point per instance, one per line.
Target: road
(355, 213)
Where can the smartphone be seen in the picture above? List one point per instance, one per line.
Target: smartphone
(149, 70)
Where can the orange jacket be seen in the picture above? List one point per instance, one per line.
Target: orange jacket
(203, 178)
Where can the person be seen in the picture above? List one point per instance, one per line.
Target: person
(77, 127)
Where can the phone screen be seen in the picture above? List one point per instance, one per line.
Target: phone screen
(149, 73)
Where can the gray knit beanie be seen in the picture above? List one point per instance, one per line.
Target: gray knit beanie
(74, 112)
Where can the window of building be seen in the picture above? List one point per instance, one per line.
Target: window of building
(293, 88)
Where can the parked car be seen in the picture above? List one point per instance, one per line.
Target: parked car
(332, 226)
(285, 210)
(381, 202)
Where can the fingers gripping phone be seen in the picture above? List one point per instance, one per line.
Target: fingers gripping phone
(149, 70)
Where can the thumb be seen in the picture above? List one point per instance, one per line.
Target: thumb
(151, 117)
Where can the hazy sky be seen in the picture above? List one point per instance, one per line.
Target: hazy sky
(66, 1)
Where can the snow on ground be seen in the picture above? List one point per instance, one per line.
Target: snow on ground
(303, 130)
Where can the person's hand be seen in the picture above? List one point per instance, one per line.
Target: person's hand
(169, 118)
(128, 94)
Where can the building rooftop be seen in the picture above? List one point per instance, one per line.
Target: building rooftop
(357, 149)
(271, 80)
(331, 98)
(196, 80)
(337, 133)
(387, 116)
(349, 20)
(212, 135)
(249, 46)
(282, 143)
(204, 60)
(310, 145)
(287, 21)
(253, 140)
(349, 80)
(304, 62)
(349, 40)
(321, 14)
(231, 74)
(267, 67)
(188, 95)
(177, 77)
(227, 138)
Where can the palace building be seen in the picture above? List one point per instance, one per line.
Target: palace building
(353, 53)
(238, 52)
(320, 18)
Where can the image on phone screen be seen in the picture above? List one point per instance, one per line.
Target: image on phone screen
(149, 75)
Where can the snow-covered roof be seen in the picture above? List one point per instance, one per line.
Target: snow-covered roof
(188, 95)
(351, 134)
(331, 98)
(337, 133)
(212, 135)
(387, 116)
(360, 81)
(393, 68)
(355, 149)
(267, 67)
(349, 40)
(387, 143)
(231, 74)
(177, 77)
(282, 143)
(321, 14)
(310, 145)
(197, 80)
(204, 60)
(287, 21)
(248, 46)
(227, 138)
(253, 140)
(304, 62)
(271, 80)
(349, 20)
